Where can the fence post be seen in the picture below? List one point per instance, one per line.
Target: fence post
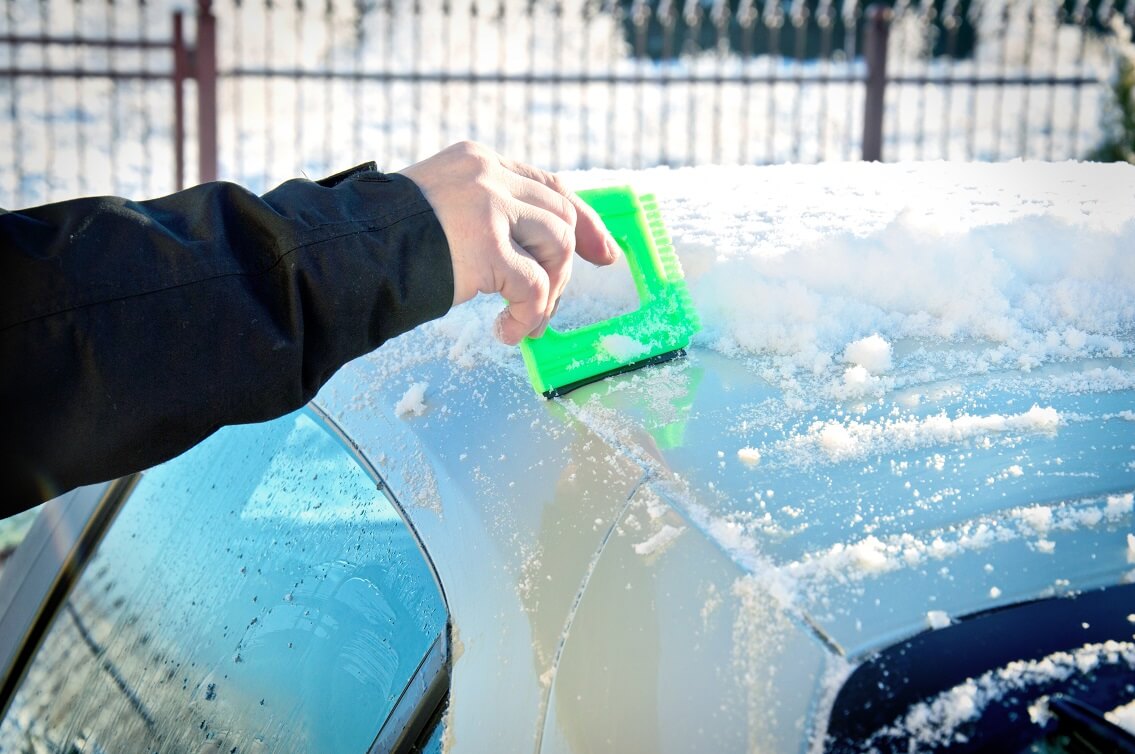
(200, 64)
(205, 71)
(875, 53)
(180, 74)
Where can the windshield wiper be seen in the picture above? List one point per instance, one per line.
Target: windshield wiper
(1087, 728)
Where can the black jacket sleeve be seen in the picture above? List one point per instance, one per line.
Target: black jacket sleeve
(130, 331)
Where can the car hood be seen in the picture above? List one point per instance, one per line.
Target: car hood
(838, 463)
(879, 518)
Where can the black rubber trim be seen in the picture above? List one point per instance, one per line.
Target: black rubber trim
(418, 704)
(661, 358)
(69, 571)
(421, 699)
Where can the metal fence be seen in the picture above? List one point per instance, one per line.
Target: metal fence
(108, 96)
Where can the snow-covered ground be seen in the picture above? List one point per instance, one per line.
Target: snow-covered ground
(72, 136)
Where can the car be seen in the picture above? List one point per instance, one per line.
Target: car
(883, 503)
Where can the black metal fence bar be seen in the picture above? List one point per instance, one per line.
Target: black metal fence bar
(1074, 80)
(44, 40)
(549, 79)
(85, 73)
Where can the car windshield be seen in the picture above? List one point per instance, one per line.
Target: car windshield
(1052, 675)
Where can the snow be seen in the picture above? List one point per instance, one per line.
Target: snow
(413, 401)
(875, 555)
(1123, 716)
(660, 540)
(1119, 506)
(749, 456)
(1036, 517)
(936, 722)
(872, 353)
(1024, 263)
(937, 619)
(622, 347)
(852, 438)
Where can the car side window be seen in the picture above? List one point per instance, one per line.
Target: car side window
(259, 593)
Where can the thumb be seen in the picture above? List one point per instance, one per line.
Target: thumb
(525, 286)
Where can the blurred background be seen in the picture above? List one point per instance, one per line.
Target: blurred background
(140, 97)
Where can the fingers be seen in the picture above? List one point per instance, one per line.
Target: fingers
(524, 284)
(592, 241)
(549, 224)
(550, 241)
(512, 229)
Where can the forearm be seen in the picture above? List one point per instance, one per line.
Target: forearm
(133, 330)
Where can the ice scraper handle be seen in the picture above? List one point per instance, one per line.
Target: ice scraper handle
(658, 330)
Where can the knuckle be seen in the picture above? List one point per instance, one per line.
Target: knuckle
(553, 182)
(568, 211)
(541, 284)
(467, 147)
(473, 157)
(567, 241)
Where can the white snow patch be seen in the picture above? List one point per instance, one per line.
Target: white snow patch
(1119, 506)
(937, 619)
(749, 456)
(842, 440)
(622, 347)
(858, 382)
(874, 555)
(413, 401)
(1036, 517)
(1123, 716)
(872, 353)
(660, 540)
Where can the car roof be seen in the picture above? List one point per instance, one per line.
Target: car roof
(914, 480)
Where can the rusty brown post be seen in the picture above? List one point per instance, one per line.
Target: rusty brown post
(180, 74)
(205, 71)
(875, 54)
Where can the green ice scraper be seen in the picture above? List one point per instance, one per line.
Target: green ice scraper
(659, 330)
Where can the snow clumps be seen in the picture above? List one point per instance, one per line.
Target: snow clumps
(413, 401)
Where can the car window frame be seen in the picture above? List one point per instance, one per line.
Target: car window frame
(417, 708)
(65, 536)
(45, 567)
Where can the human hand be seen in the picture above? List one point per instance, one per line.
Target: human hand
(512, 229)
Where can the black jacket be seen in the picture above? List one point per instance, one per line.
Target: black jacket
(130, 331)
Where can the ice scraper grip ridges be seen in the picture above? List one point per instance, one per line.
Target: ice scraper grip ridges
(657, 331)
